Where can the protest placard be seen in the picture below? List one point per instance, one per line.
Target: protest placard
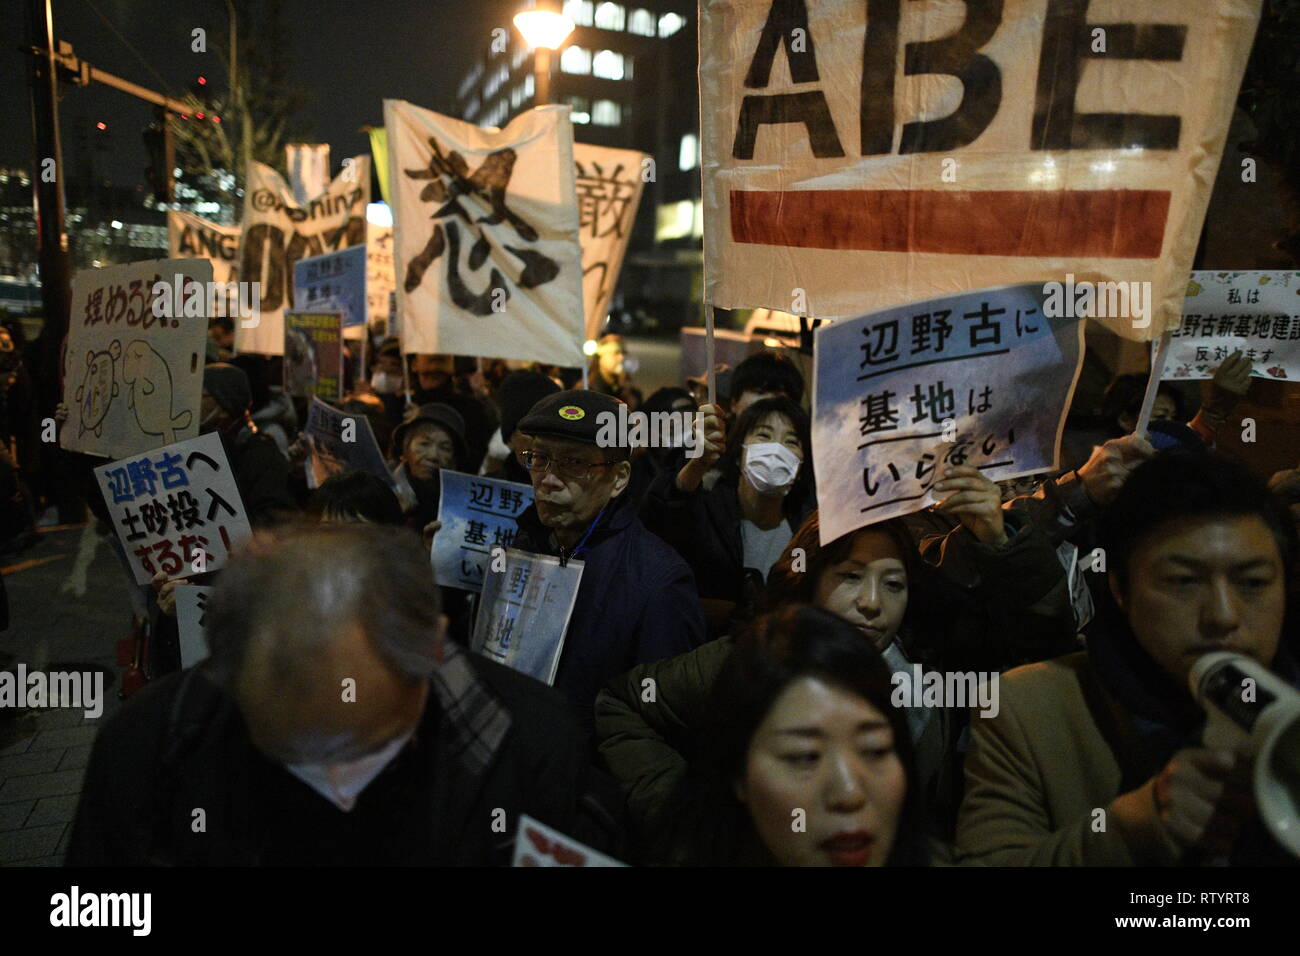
(176, 509)
(277, 233)
(609, 184)
(980, 379)
(313, 354)
(485, 224)
(527, 600)
(191, 611)
(336, 280)
(536, 844)
(342, 441)
(133, 369)
(477, 515)
(850, 165)
(1257, 313)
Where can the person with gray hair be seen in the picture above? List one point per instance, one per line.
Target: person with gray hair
(333, 723)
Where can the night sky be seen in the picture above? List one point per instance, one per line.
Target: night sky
(348, 55)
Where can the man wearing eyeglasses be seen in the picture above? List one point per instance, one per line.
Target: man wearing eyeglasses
(637, 601)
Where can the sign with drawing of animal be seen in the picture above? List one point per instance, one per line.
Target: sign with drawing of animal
(133, 371)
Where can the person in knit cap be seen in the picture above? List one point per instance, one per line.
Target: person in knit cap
(261, 470)
(519, 392)
(430, 440)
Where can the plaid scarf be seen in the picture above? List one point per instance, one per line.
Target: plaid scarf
(478, 722)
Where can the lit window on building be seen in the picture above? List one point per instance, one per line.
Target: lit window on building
(641, 22)
(688, 157)
(607, 65)
(606, 113)
(581, 108)
(529, 85)
(609, 16)
(670, 23)
(576, 60)
(521, 54)
(579, 11)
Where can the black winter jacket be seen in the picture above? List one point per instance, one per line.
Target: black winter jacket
(181, 744)
(637, 602)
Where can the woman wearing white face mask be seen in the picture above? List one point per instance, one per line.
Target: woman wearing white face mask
(731, 525)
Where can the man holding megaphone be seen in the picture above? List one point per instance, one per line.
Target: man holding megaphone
(1105, 757)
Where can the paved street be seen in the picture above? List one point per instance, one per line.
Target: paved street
(68, 607)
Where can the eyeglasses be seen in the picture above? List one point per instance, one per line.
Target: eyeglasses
(573, 469)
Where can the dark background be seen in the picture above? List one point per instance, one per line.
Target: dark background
(347, 54)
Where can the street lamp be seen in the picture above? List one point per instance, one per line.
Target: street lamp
(544, 31)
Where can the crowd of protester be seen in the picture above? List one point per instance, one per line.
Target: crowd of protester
(727, 689)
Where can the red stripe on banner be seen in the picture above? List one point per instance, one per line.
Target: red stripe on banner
(1100, 223)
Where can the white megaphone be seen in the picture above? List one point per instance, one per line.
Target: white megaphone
(1251, 710)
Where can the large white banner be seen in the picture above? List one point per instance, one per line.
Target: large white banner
(486, 233)
(277, 232)
(862, 155)
(133, 368)
(981, 379)
(609, 183)
(193, 237)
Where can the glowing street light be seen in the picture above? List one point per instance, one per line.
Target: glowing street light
(543, 28)
(544, 31)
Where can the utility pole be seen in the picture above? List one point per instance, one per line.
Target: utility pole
(54, 254)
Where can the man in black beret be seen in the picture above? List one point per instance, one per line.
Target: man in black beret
(637, 600)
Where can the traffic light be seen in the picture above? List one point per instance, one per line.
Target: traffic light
(162, 160)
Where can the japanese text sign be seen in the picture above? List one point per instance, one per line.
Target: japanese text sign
(609, 183)
(336, 280)
(980, 379)
(857, 156)
(191, 622)
(477, 515)
(176, 509)
(133, 372)
(525, 612)
(485, 223)
(1256, 312)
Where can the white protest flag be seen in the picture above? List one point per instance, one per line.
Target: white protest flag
(862, 155)
(277, 232)
(133, 368)
(982, 379)
(308, 165)
(193, 237)
(486, 235)
(609, 191)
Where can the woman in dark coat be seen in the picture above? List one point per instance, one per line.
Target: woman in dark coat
(732, 525)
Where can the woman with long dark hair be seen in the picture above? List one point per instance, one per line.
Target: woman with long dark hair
(806, 762)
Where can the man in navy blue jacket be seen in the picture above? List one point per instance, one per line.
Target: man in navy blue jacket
(637, 601)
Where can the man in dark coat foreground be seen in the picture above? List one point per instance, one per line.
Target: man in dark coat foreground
(333, 724)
